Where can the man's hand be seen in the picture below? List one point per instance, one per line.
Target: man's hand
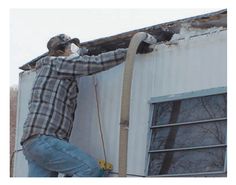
(83, 51)
(144, 48)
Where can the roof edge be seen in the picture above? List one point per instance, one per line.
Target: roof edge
(162, 32)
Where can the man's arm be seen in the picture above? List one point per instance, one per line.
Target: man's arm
(87, 65)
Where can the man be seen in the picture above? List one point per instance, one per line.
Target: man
(52, 106)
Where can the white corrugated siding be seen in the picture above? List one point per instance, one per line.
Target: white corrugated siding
(24, 92)
(193, 64)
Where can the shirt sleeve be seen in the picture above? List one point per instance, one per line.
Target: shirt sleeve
(87, 65)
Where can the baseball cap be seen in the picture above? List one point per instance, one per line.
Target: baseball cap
(62, 39)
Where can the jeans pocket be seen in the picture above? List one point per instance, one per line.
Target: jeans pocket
(38, 149)
(33, 143)
(30, 141)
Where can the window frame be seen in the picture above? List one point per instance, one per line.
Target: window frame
(182, 96)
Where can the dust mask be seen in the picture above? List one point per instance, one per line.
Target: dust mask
(78, 50)
(74, 49)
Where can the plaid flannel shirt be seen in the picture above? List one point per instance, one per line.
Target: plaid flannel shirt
(54, 93)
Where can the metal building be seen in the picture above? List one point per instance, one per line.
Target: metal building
(178, 111)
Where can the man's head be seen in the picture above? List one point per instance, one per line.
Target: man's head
(60, 45)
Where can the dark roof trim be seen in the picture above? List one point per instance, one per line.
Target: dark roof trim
(162, 32)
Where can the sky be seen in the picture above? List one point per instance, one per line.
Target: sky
(30, 29)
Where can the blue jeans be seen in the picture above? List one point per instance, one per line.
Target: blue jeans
(47, 156)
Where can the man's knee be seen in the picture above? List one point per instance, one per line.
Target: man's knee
(96, 172)
(89, 172)
(89, 169)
